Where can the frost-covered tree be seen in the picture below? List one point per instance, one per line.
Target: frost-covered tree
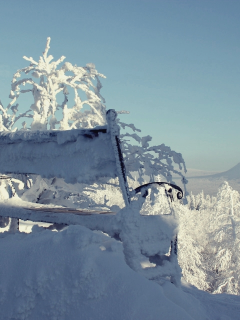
(192, 242)
(155, 163)
(45, 83)
(225, 241)
(209, 241)
(191, 201)
(200, 202)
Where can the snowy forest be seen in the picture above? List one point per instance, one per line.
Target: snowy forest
(67, 97)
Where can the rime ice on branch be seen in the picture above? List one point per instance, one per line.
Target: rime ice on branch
(153, 162)
(51, 82)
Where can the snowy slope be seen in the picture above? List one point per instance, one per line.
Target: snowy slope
(80, 274)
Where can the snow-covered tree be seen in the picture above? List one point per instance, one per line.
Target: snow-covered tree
(46, 83)
(225, 240)
(191, 201)
(200, 202)
(192, 242)
(209, 241)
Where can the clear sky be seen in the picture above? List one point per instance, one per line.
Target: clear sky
(174, 64)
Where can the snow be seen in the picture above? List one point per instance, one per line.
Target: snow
(76, 274)
(217, 306)
(153, 232)
(81, 274)
(39, 271)
(84, 158)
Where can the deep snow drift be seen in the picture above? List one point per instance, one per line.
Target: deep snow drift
(80, 274)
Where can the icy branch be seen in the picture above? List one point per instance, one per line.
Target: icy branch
(47, 48)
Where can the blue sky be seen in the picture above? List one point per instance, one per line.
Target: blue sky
(173, 64)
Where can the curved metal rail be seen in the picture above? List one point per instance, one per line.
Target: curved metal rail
(146, 186)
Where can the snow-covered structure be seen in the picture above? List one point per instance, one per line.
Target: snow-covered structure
(74, 155)
(84, 156)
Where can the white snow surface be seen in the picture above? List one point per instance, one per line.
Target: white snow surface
(80, 274)
(75, 155)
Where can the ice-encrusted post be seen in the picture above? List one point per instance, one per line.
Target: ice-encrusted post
(114, 130)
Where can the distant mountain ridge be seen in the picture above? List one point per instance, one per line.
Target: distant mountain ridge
(231, 174)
